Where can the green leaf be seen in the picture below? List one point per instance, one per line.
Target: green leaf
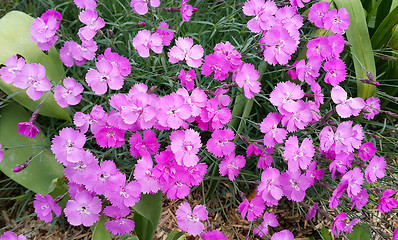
(325, 234)
(358, 35)
(382, 11)
(15, 39)
(99, 230)
(176, 235)
(147, 215)
(359, 233)
(393, 43)
(42, 173)
(384, 32)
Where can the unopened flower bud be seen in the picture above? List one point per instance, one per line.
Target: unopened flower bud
(367, 81)
(110, 33)
(394, 115)
(152, 89)
(23, 165)
(195, 9)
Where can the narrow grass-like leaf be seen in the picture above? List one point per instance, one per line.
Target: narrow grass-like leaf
(15, 39)
(384, 32)
(361, 50)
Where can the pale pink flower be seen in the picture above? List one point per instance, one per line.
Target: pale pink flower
(68, 146)
(12, 69)
(44, 29)
(143, 173)
(93, 24)
(337, 20)
(197, 99)
(105, 76)
(346, 107)
(283, 235)
(86, 4)
(231, 165)
(335, 71)
(273, 134)
(83, 209)
(173, 111)
(185, 50)
(372, 108)
(144, 41)
(269, 219)
(220, 144)
(298, 157)
(375, 169)
(386, 203)
(185, 146)
(70, 94)
(285, 96)
(247, 78)
(319, 47)
(141, 6)
(270, 187)
(33, 77)
(44, 206)
(189, 220)
(317, 13)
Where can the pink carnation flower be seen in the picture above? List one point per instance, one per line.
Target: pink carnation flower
(28, 129)
(269, 219)
(214, 116)
(346, 107)
(283, 235)
(298, 3)
(105, 76)
(337, 20)
(83, 209)
(214, 235)
(141, 6)
(70, 94)
(386, 203)
(337, 43)
(273, 134)
(263, 13)
(185, 50)
(253, 209)
(95, 120)
(86, 4)
(317, 13)
(372, 108)
(341, 225)
(144, 41)
(44, 29)
(33, 77)
(189, 220)
(1, 154)
(270, 187)
(319, 47)
(247, 79)
(294, 185)
(12, 236)
(220, 142)
(309, 71)
(285, 96)
(288, 18)
(335, 71)
(44, 206)
(118, 225)
(216, 63)
(173, 111)
(185, 146)
(375, 169)
(143, 173)
(231, 165)
(110, 137)
(12, 69)
(360, 199)
(123, 194)
(366, 151)
(68, 146)
(165, 33)
(93, 22)
(144, 146)
(298, 157)
(188, 79)
(197, 99)
(186, 10)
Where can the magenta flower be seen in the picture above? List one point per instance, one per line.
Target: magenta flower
(222, 99)
(311, 212)
(28, 129)
(279, 45)
(273, 134)
(143, 173)
(317, 13)
(285, 96)
(319, 47)
(118, 225)
(247, 79)
(93, 22)
(269, 219)
(185, 146)
(1, 153)
(335, 71)
(360, 199)
(270, 187)
(298, 3)
(309, 71)
(299, 119)
(33, 77)
(354, 179)
(144, 146)
(187, 79)
(173, 111)
(375, 169)
(86, 4)
(68, 146)
(264, 14)
(216, 63)
(83, 209)
(186, 10)
(110, 137)
(298, 157)
(283, 235)
(288, 18)
(105, 76)
(386, 203)
(76, 172)
(44, 29)
(144, 41)
(44, 206)
(98, 177)
(95, 120)
(119, 62)
(346, 107)
(70, 55)
(141, 6)
(314, 174)
(213, 235)
(395, 234)
(12, 69)
(372, 108)
(366, 151)
(12, 236)
(341, 225)
(253, 209)
(294, 185)
(122, 194)
(337, 42)
(220, 142)
(230, 53)
(197, 99)
(70, 94)
(185, 50)
(231, 165)
(189, 220)
(214, 116)
(165, 33)
(337, 20)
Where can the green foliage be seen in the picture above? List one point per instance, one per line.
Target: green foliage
(15, 39)
(99, 230)
(359, 233)
(147, 215)
(325, 234)
(42, 173)
(176, 235)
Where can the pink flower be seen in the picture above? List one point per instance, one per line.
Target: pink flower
(346, 107)
(386, 203)
(185, 50)
(299, 119)
(230, 53)
(189, 220)
(106, 76)
(220, 142)
(145, 146)
(247, 79)
(264, 14)
(337, 43)
(119, 62)
(12, 236)
(283, 235)
(216, 63)
(319, 47)
(395, 234)
(141, 6)
(83, 209)
(270, 187)
(86, 4)
(337, 20)
(27, 129)
(314, 174)
(366, 151)
(186, 10)
(110, 137)
(298, 3)
(165, 33)
(317, 13)
(354, 180)
(173, 111)
(118, 225)
(44, 206)
(33, 77)
(309, 71)
(12, 69)
(273, 134)
(214, 116)
(213, 235)
(143, 173)
(44, 29)
(285, 96)
(70, 94)
(98, 177)
(341, 225)
(70, 55)
(93, 22)
(311, 212)
(187, 80)
(372, 108)
(253, 209)
(269, 219)
(68, 146)
(294, 185)
(279, 45)
(185, 146)
(375, 169)
(335, 71)
(197, 99)
(360, 199)
(288, 18)
(298, 157)
(122, 194)
(1, 154)
(76, 172)
(95, 120)
(231, 165)
(144, 41)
